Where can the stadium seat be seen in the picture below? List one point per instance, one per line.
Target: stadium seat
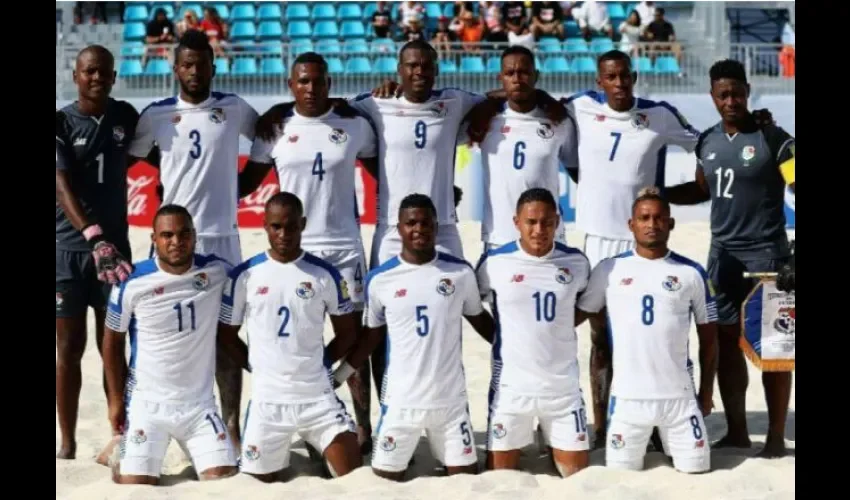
(169, 10)
(328, 47)
(584, 64)
(297, 12)
(357, 46)
(554, 64)
(667, 65)
(576, 46)
(494, 64)
(368, 10)
(549, 44)
(130, 67)
(271, 47)
(352, 29)
(223, 10)
(222, 66)
(472, 64)
(269, 12)
(270, 30)
(134, 31)
(243, 30)
(447, 67)
(644, 65)
(243, 12)
(136, 13)
(383, 45)
(335, 65)
(133, 49)
(243, 66)
(298, 29)
(571, 29)
(272, 67)
(385, 64)
(301, 46)
(325, 29)
(323, 12)
(601, 45)
(156, 67)
(449, 9)
(358, 66)
(433, 11)
(616, 10)
(350, 11)
(199, 11)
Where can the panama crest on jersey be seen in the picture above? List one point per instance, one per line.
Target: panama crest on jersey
(305, 290)
(671, 283)
(445, 287)
(545, 131)
(201, 281)
(439, 109)
(217, 115)
(564, 276)
(338, 136)
(640, 121)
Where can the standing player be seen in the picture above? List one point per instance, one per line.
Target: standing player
(169, 308)
(281, 296)
(649, 294)
(315, 159)
(532, 285)
(420, 296)
(197, 134)
(92, 245)
(743, 170)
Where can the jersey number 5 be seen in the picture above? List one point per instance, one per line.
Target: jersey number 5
(422, 324)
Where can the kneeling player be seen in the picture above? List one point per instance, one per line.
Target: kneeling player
(282, 296)
(170, 303)
(649, 293)
(534, 283)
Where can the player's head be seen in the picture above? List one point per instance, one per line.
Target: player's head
(729, 89)
(94, 73)
(651, 222)
(310, 84)
(417, 67)
(193, 63)
(518, 73)
(417, 223)
(284, 222)
(616, 78)
(173, 235)
(536, 219)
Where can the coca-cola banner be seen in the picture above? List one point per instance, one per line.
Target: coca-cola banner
(142, 180)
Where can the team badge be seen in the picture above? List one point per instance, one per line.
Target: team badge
(305, 290)
(748, 153)
(545, 131)
(671, 283)
(785, 320)
(564, 276)
(439, 109)
(201, 281)
(338, 136)
(138, 437)
(445, 287)
(617, 441)
(217, 115)
(252, 452)
(640, 121)
(499, 431)
(118, 133)
(388, 443)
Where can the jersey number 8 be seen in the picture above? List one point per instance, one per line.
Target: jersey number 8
(648, 312)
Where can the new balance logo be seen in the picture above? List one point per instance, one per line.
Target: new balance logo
(262, 290)
(518, 278)
(401, 293)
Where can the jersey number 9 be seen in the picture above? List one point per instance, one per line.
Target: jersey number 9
(420, 130)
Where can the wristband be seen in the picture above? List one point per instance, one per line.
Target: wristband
(92, 233)
(344, 371)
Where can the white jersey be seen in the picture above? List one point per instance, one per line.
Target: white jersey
(172, 321)
(283, 307)
(199, 155)
(423, 308)
(315, 160)
(618, 154)
(417, 144)
(533, 300)
(650, 302)
(521, 151)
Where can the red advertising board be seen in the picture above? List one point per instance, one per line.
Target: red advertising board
(142, 180)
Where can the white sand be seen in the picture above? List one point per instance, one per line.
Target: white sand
(736, 475)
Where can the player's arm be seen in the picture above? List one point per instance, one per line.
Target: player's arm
(704, 309)
(372, 336)
(568, 153)
(591, 302)
(230, 317)
(368, 153)
(143, 146)
(118, 315)
(485, 326)
(343, 318)
(785, 156)
(474, 312)
(695, 191)
(677, 130)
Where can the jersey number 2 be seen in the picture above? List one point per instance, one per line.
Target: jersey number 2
(195, 152)
(179, 308)
(284, 313)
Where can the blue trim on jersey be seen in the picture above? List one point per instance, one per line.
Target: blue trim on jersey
(661, 169)
(143, 268)
(203, 260)
(506, 248)
(669, 107)
(327, 266)
(497, 334)
(452, 259)
(133, 333)
(168, 101)
(596, 96)
(567, 249)
(234, 274)
(221, 95)
(710, 303)
(627, 253)
(364, 95)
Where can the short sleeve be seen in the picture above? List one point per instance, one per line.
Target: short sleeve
(62, 162)
(144, 138)
(471, 298)
(468, 100)
(261, 150)
(677, 130)
(482, 276)
(337, 295)
(234, 297)
(463, 133)
(362, 103)
(703, 302)
(62, 143)
(373, 313)
(119, 310)
(785, 152)
(369, 147)
(249, 118)
(593, 298)
(568, 153)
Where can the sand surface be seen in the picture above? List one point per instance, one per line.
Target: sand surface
(736, 474)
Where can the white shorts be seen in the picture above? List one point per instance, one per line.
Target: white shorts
(449, 433)
(223, 247)
(198, 429)
(386, 243)
(563, 420)
(680, 425)
(351, 264)
(269, 428)
(597, 248)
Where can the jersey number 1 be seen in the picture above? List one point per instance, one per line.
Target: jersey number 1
(99, 160)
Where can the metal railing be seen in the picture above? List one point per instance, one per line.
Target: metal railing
(261, 69)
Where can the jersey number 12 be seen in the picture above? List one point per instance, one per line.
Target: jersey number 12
(730, 179)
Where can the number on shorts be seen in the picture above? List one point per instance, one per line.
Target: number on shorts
(179, 308)
(317, 166)
(340, 418)
(423, 325)
(195, 152)
(648, 314)
(580, 417)
(519, 155)
(696, 427)
(215, 421)
(284, 312)
(616, 136)
(358, 274)
(421, 132)
(464, 431)
(546, 307)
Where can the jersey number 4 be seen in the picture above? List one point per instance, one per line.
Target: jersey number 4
(317, 167)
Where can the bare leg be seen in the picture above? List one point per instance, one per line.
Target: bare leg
(600, 378)
(777, 392)
(228, 376)
(503, 460)
(392, 476)
(732, 379)
(466, 469)
(569, 462)
(70, 346)
(360, 386)
(343, 454)
(218, 473)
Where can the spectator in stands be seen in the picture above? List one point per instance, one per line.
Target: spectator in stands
(159, 31)
(515, 17)
(410, 11)
(471, 32)
(189, 22)
(631, 30)
(414, 30)
(567, 9)
(494, 23)
(646, 11)
(547, 20)
(592, 19)
(216, 29)
(382, 21)
(662, 36)
(443, 37)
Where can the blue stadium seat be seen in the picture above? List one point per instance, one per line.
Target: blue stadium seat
(358, 66)
(272, 67)
(301, 46)
(356, 46)
(136, 13)
(134, 31)
(270, 30)
(199, 11)
(576, 46)
(368, 10)
(554, 64)
(601, 45)
(335, 65)
(644, 65)
(222, 9)
(328, 47)
(472, 64)
(222, 66)
(667, 65)
(323, 12)
(352, 29)
(299, 29)
(549, 44)
(383, 45)
(243, 30)
(130, 67)
(133, 49)
(433, 11)
(169, 10)
(616, 10)
(243, 12)
(271, 47)
(449, 10)
(350, 11)
(447, 67)
(269, 12)
(243, 66)
(297, 12)
(584, 64)
(157, 67)
(385, 64)
(494, 64)
(571, 29)
(325, 29)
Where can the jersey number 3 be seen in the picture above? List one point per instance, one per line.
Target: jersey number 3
(195, 152)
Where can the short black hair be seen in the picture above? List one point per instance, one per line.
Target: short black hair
(420, 45)
(728, 68)
(172, 209)
(286, 199)
(194, 40)
(651, 193)
(417, 200)
(518, 50)
(536, 194)
(97, 50)
(310, 58)
(614, 55)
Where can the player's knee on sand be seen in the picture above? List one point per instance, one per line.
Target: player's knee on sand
(218, 473)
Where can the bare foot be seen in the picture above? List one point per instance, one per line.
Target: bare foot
(773, 448)
(68, 452)
(730, 441)
(103, 458)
